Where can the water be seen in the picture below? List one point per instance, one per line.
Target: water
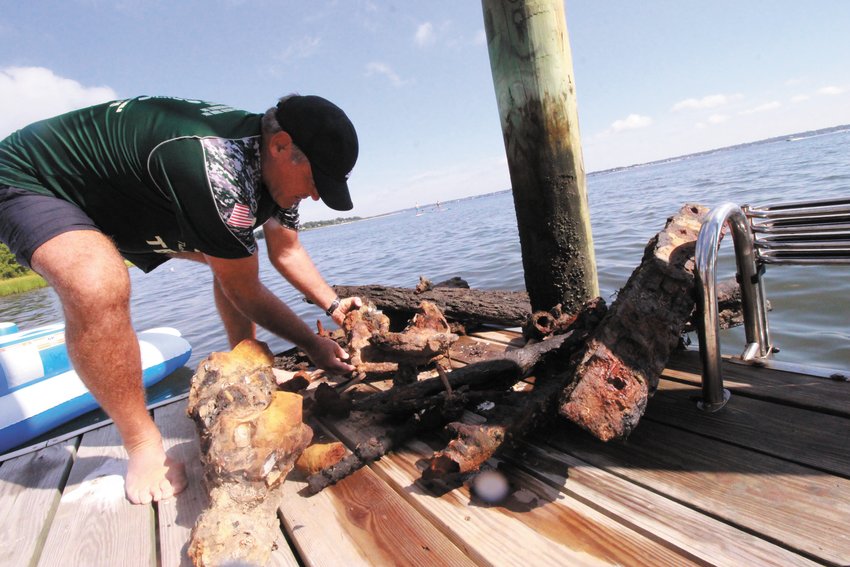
(477, 239)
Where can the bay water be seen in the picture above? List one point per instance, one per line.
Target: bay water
(477, 239)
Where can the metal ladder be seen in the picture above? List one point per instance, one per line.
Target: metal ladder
(814, 232)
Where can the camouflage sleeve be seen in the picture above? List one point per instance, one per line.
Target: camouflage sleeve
(288, 217)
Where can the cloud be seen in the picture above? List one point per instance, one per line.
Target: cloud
(36, 93)
(301, 49)
(832, 90)
(631, 122)
(425, 34)
(378, 68)
(710, 101)
(713, 120)
(772, 105)
(800, 98)
(445, 33)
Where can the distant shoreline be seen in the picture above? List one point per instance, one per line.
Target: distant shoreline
(310, 225)
(783, 137)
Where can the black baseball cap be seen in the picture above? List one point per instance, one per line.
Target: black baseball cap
(327, 137)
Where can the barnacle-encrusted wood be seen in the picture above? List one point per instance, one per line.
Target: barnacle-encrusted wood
(250, 437)
(497, 307)
(624, 357)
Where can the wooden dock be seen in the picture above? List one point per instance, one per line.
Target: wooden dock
(766, 481)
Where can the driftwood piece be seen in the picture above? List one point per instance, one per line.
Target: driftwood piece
(730, 312)
(624, 357)
(250, 436)
(514, 416)
(377, 446)
(494, 374)
(509, 308)
(452, 282)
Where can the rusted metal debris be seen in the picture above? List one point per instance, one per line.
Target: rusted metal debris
(375, 350)
(542, 324)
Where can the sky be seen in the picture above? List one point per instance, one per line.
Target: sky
(654, 79)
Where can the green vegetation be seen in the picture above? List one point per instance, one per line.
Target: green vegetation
(21, 284)
(318, 224)
(9, 268)
(14, 278)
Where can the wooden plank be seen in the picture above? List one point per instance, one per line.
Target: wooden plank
(803, 436)
(95, 525)
(796, 507)
(500, 336)
(536, 523)
(768, 384)
(701, 536)
(30, 488)
(282, 555)
(469, 349)
(178, 515)
(362, 521)
(536, 526)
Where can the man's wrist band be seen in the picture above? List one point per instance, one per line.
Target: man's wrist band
(333, 307)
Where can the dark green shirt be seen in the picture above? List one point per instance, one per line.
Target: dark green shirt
(159, 175)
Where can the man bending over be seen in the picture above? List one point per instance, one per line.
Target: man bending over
(152, 178)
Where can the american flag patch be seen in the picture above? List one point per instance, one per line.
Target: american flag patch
(241, 217)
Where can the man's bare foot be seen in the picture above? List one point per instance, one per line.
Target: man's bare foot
(152, 476)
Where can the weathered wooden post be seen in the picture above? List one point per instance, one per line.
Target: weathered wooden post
(533, 75)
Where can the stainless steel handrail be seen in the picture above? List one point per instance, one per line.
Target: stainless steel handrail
(811, 233)
(814, 232)
(800, 210)
(752, 299)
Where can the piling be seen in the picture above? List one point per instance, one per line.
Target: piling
(532, 70)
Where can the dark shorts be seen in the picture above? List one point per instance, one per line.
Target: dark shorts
(28, 220)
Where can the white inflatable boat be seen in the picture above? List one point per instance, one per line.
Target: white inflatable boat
(39, 390)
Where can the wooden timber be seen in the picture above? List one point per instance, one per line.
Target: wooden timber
(532, 68)
(766, 481)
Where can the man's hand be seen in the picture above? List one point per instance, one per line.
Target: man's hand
(346, 305)
(329, 356)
